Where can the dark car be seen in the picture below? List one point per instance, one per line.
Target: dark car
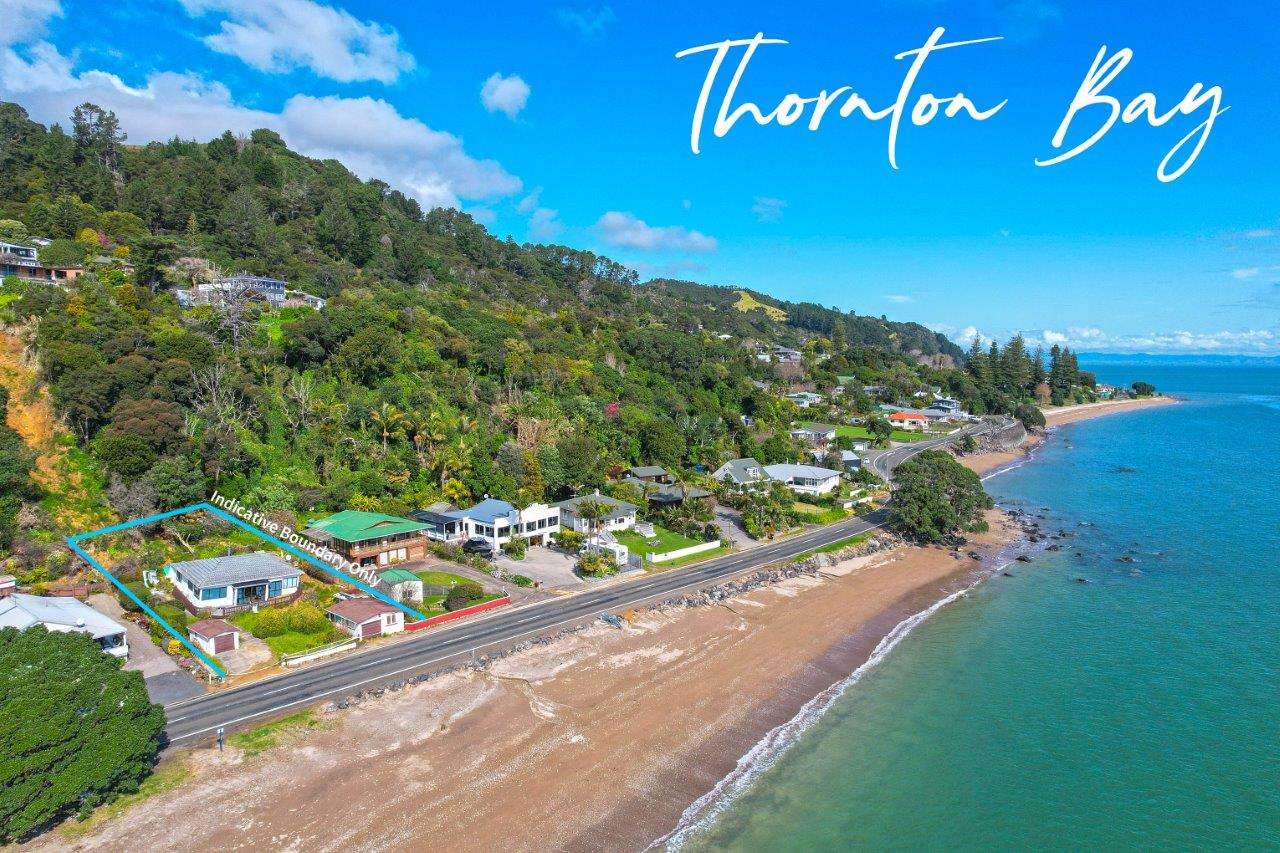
(477, 546)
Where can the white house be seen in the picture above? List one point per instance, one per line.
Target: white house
(619, 515)
(805, 399)
(805, 479)
(909, 420)
(818, 435)
(498, 521)
(64, 615)
(366, 617)
(221, 583)
(605, 543)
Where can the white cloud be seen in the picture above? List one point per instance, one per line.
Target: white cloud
(768, 209)
(284, 35)
(627, 231)
(589, 22)
(27, 20)
(1245, 273)
(368, 135)
(544, 222)
(1093, 339)
(900, 298)
(506, 95)
(1259, 233)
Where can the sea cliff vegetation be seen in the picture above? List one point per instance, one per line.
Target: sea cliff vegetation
(447, 364)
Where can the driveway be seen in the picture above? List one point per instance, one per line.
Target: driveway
(165, 680)
(730, 523)
(552, 569)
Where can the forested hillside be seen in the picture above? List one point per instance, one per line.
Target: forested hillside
(447, 364)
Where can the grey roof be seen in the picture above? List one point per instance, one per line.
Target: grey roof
(22, 611)
(736, 470)
(648, 471)
(816, 428)
(617, 508)
(787, 471)
(666, 492)
(242, 568)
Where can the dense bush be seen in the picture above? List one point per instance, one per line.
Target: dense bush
(936, 498)
(521, 580)
(1031, 417)
(75, 731)
(463, 595)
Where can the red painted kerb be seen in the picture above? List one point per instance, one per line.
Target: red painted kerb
(458, 614)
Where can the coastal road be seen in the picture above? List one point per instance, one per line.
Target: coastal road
(199, 718)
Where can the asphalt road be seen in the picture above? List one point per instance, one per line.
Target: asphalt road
(195, 719)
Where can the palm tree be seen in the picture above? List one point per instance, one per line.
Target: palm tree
(593, 511)
(389, 419)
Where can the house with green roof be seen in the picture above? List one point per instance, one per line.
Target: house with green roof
(400, 584)
(371, 538)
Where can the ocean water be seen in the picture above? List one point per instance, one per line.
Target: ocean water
(1140, 710)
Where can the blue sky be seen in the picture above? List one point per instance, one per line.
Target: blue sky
(570, 122)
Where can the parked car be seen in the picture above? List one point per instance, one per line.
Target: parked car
(477, 546)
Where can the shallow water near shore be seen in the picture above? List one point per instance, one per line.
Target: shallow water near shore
(1121, 692)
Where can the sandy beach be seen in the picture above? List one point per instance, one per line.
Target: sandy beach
(986, 462)
(599, 740)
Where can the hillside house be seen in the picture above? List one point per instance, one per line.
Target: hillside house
(229, 584)
(746, 472)
(805, 479)
(649, 474)
(366, 618)
(64, 615)
(371, 538)
(805, 399)
(24, 262)
(815, 435)
(912, 421)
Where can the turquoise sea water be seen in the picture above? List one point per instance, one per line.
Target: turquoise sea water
(1141, 710)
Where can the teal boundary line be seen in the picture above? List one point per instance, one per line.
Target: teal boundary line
(73, 542)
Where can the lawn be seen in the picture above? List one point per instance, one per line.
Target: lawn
(833, 546)
(861, 432)
(814, 514)
(664, 540)
(293, 642)
(442, 578)
(273, 321)
(266, 736)
(691, 558)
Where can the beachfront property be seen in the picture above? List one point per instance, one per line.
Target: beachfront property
(24, 262)
(666, 494)
(230, 584)
(619, 515)
(805, 479)
(400, 584)
(214, 636)
(493, 520)
(745, 472)
(64, 615)
(607, 544)
(365, 618)
(370, 538)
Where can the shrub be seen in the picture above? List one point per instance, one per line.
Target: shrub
(1031, 417)
(515, 547)
(569, 540)
(306, 619)
(521, 580)
(463, 595)
(77, 729)
(269, 622)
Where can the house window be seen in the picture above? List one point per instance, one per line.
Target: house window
(290, 583)
(274, 589)
(213, 593)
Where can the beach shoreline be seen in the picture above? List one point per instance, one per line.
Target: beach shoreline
(600, 739)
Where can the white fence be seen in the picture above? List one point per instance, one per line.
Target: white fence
(683, 552)
(315, 654)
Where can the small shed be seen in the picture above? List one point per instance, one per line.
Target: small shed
(8, 585)
(401, 584)
(214, 636)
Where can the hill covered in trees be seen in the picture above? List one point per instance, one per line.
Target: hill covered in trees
(446, 365)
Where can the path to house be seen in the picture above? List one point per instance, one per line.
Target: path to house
(518, 594)
(730, 523)
(550, 568)
(166, 681)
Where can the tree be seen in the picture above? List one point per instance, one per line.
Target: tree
(13, 231)
(176, 482)
(1144, 389)
(62, 253)
(880, 430)
(76, 730)
(1031, 417)
(151, 255)
(936, 497)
